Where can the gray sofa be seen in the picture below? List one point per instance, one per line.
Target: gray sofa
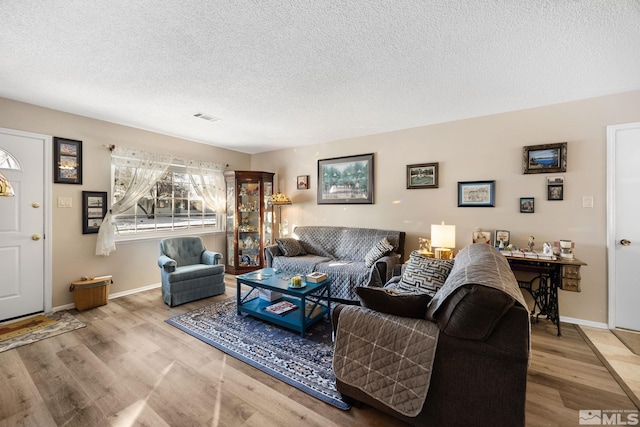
(189, 271)
(340, 252)
(459, 359)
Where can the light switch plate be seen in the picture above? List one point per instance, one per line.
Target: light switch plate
(64, 202)
(587, 201)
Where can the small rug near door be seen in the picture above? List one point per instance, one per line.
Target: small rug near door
(37, 328)
(304, 363)
(629, 338)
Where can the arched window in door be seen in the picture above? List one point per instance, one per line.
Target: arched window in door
(7, 161)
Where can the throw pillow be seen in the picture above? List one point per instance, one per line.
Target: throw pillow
(427, 274)
(380, 249)
(290, 246)
(395, 302)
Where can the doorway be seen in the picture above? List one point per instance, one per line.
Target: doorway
(25, 219)
(623, 232)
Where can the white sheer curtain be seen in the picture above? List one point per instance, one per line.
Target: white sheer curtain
(149, 167)
(208, 182)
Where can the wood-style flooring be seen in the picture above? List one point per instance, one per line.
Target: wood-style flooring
(130, 368)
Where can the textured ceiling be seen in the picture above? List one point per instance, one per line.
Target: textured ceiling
(288, 73)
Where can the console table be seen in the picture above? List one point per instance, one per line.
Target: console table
(551, 275)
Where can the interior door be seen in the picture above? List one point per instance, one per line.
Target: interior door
(623, 176)
(22, 225)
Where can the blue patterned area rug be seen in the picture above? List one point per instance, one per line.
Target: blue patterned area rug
(304, 363)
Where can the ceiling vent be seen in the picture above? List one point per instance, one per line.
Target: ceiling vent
(206, 117)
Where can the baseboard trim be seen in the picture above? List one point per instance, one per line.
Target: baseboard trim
(112, 296)
(583, 322)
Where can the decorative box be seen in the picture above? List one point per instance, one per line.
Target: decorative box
(267, 295)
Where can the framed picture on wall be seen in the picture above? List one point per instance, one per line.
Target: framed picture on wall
(94, 208)
(67, 161)
(527, 204)
(302, 182)
(545, 158)
(346, 180)
(424, 175)
(476, 194)
(555, 192)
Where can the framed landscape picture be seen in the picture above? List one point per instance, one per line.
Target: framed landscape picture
(545, 158)
(527, 204)
(424, 175)
(476, 194)
(94, 208)
(67, 161)
(346, 180)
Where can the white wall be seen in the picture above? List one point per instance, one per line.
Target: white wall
(484, 148)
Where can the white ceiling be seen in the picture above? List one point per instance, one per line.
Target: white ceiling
(286, 73)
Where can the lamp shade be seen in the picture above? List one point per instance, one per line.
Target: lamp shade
(278, 199)
(443, 236)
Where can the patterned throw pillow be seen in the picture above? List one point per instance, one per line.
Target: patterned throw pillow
(426, 274)
(290, 246)
(379, 250)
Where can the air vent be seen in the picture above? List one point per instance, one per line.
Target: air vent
(206, 117)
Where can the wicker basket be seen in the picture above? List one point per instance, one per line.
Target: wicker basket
(90, 293)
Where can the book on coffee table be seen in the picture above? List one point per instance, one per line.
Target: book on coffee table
(281, 307)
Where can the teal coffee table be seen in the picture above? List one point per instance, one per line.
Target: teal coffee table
(313, 302)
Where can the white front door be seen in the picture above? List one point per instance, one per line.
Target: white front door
(623, 206)
(23, 220)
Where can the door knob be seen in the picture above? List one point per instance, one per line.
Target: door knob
(35, 237)
(625, 242)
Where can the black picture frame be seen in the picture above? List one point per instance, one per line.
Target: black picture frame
(346, 180)
(527, 204)
(94, 208)
(302, 182)
(502, 235)
(476, 194)
(545, 158)
(555, 192)
(422, 175)
(67, 161)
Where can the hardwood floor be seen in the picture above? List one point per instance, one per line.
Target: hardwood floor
(130, 368)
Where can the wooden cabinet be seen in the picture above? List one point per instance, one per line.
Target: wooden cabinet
(571, 277)
(249, 223)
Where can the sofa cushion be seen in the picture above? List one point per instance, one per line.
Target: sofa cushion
(290, 246)
(380, 249)
(473, 311)
(428, 274)
(392, 301)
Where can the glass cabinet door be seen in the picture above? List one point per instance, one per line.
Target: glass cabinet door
(249, 219)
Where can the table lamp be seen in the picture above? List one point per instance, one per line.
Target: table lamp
(443, 239)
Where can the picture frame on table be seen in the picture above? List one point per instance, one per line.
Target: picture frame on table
(545, 158)
(423, 175)
(527, 204)
(482, 237)
(94, 209)
(346, 180)
(476, 193)
(503, 236)
(67, 161)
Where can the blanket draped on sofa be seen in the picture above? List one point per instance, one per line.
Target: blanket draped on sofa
(391, 361)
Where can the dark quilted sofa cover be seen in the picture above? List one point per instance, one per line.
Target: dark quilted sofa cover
(479, 374)
(339, 252)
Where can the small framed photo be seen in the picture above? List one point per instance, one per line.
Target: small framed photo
(67, 161)
(94, 208)
(527, 204)
(482, 237)
(545, 158)
(302, 182)
(424, 175)
(502, 236)
(555, 192)
(476, 194)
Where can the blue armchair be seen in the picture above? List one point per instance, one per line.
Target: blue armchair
(189, 271)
